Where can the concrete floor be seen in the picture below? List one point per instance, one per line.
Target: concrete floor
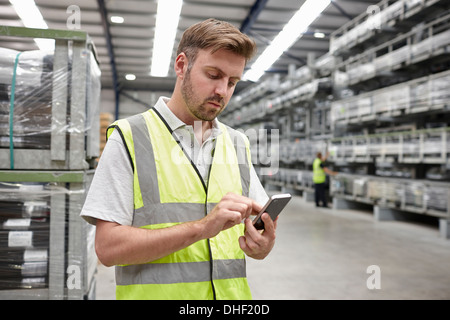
(325, 254)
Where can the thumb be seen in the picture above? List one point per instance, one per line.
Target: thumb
(242, 243)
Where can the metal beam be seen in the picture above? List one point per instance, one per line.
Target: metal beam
(43, 33)
(112, 61)
(342, 11)
(255, 10)
(285, 53)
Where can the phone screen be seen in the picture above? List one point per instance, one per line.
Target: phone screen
(274, 206)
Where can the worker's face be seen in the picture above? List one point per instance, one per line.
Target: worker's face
(210, 81)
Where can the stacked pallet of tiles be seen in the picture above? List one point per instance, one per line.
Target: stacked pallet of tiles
(49, 143)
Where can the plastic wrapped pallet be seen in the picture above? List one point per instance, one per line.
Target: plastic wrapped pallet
(337, 185)
(436, 198)
(49, 108)
(360, 187)
(414, 194)
(440, 89)
(30, 103)
(46, 249)
(375, 190)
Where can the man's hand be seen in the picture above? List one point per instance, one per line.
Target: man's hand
(230, 211)
(257, 244)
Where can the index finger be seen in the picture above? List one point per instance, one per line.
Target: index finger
(253, 207)
(256, 208)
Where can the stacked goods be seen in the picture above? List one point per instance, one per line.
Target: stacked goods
(437, 198)
(415, 194)
(24, 236)
(49, 141)
(106, 119)
(43, 240)
(25, 98)
(49, 108)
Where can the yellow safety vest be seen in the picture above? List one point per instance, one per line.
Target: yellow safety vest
(319, 175)
(169, 190)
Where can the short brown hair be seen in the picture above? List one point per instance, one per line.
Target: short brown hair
(215, 34)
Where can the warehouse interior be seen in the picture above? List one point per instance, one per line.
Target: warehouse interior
(365, 82)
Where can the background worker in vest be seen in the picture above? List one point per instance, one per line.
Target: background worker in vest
(320, 179)
(172, 225)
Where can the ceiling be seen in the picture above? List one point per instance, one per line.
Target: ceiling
(132, 41)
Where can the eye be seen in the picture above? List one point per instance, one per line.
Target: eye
(213, 75)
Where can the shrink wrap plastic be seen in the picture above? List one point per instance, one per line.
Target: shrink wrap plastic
(32, 98)
(30, 215)
(40, 100)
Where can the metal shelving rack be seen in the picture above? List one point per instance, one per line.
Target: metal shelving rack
(386, 14)
(65, 170)
(299, 107)
(388, 120)
(402, 51)
(417, 196)
(396, 122)
(424, 94)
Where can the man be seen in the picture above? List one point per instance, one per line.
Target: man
(319, 179)
(174, 184)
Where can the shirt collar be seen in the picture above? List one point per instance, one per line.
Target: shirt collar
(174, 122)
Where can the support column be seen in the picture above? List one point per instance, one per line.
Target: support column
(308, 196)
(444, 228)
(387, 214)
(339, 203)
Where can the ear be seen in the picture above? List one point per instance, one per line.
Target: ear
(180, 65)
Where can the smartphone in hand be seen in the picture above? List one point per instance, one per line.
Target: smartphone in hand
(273, 207)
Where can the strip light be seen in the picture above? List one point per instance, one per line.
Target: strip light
(117, 19)
(168, 15)
(32, 18)
(298, 24)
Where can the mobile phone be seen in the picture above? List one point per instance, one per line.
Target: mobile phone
(273, 207)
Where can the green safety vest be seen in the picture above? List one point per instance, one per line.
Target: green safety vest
(168, 190)
(319, 175)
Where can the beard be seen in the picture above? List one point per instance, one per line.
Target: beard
(199, 108)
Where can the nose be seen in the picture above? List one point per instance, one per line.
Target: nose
(221, 88)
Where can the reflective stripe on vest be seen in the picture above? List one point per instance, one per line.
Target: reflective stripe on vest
(318, 172)
(168, 190)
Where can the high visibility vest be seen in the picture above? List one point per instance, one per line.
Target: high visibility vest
(319, 175)
(168, 190)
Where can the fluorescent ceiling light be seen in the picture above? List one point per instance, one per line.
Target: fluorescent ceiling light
(32, 18)
(298, 24)
(319, 35)
(167, 17)
(117, 19)
(130, 77)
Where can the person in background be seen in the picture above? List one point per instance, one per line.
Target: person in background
(174, 184)
(320, 179)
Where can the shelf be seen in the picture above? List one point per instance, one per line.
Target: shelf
(418, 196)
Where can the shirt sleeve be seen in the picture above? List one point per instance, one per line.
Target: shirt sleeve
(110, 196)
(256, 190)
